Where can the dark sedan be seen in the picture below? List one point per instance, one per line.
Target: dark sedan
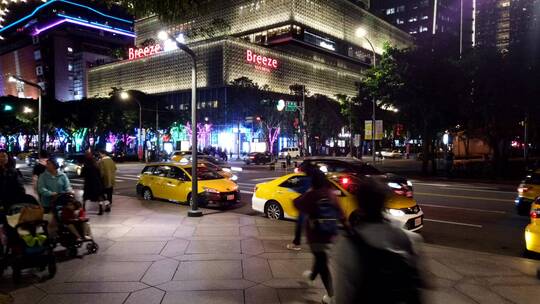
(258, 158)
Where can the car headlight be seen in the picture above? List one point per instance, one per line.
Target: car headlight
(409, 183)
(395, 212)
(60, 161)
(210, 190)
(394, 185)
(234, 177)
(226, 169)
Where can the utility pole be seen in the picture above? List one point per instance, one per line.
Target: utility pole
(158, 150)
(303, 123)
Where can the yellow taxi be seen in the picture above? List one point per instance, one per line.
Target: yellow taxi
(172, 181)
(528, 191)
(532, 231)
(275, 199)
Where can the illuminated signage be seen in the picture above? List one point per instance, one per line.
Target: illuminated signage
(136, 53)
(327, 45)
(261, 62)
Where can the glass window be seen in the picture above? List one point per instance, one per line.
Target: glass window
(390, 11)
(37, 55)
(162, 171)
(70, 50)
(177, 173)
(39, 70)
(148, 170)
(399, 21)
(299, 184)
(204, 173)
(400, 8)
(70, 67)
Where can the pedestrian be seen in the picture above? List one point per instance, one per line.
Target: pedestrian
(107, 169)
(51, 183)
(39, 168)
(321, 207)
(295, 245)
(11, 187)
(93, 186)
(377, 261)
(288, 159)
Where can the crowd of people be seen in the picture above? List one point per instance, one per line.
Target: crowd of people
(49, 182)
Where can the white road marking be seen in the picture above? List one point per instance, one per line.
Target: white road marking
(453, 223)
(124, 177)
(264, 179)
(246, 192)
(462, 208)
(452, 187)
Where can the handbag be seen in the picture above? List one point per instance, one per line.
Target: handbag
(31, 214)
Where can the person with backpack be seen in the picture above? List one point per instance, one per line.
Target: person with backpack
(377, 261)
(321, 207)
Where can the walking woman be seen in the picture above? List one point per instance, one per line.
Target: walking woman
(321, 207)
(93, 186)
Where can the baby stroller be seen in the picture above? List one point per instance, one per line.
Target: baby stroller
(65, 237)
(25, 241)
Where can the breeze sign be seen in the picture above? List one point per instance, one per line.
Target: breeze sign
(261, 62)
(136, 53)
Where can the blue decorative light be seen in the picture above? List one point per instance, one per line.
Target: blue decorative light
(65, 1)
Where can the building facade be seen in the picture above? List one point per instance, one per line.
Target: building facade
(314, 43)
(442, 23)
(54, 43)
(507, 24)
(272, 43)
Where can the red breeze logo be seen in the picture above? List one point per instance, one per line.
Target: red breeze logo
(136, 53)
(261, 62)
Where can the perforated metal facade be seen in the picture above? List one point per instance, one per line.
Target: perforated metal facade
(336, 18)
(220, 62)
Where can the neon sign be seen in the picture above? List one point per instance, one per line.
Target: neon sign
(136, 53)
(261, 62)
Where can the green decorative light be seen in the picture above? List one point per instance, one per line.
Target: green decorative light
(8, 108)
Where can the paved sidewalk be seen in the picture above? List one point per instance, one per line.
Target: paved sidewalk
(152, 253)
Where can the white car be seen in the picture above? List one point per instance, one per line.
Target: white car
(294, 152)
(391, 154)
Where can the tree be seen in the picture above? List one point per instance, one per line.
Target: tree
(428, 90)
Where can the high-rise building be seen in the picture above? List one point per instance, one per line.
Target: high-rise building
(54, 43)
(446, 24)
(507, 24)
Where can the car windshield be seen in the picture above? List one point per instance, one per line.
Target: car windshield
(205, 173)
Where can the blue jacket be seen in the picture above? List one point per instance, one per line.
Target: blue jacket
(47, 184)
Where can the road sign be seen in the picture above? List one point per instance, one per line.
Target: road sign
(369, 131)
(291, 106)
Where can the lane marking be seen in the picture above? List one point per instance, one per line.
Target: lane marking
(453, 223)
(126, 177)
(264, 179)
(464, 188)
(465, 197)
(246, 192)
(463, 208)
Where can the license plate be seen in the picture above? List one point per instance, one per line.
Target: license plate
(230, 197)
(417, 221)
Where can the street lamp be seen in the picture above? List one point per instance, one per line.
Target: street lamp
(124, 95)
(17, 79)
(164, 36)
(362, 33)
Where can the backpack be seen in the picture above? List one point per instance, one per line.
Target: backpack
(325, 221)
(389, 277)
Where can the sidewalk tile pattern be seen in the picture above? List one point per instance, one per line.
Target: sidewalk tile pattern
(151, 252)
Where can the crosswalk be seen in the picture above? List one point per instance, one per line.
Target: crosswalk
(78, 182)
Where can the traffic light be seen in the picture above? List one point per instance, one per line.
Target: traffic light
(8, 108)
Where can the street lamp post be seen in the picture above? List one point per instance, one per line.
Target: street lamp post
(194, 211)
(125, 96)
(362, 33)
(15, 79)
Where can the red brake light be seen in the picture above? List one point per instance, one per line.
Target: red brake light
(535, 213)
(297, 170)
(345, 181)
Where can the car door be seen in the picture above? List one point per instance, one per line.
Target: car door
(157, 184)
(175, 185)
(289, 190)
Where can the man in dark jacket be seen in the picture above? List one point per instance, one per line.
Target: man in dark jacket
(357, 265)
(11, 187)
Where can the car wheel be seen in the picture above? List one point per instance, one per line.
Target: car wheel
(147, 194)
(274, 211)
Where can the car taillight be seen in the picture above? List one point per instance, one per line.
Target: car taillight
(523, 189)
(345, 181)
(252, 157)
